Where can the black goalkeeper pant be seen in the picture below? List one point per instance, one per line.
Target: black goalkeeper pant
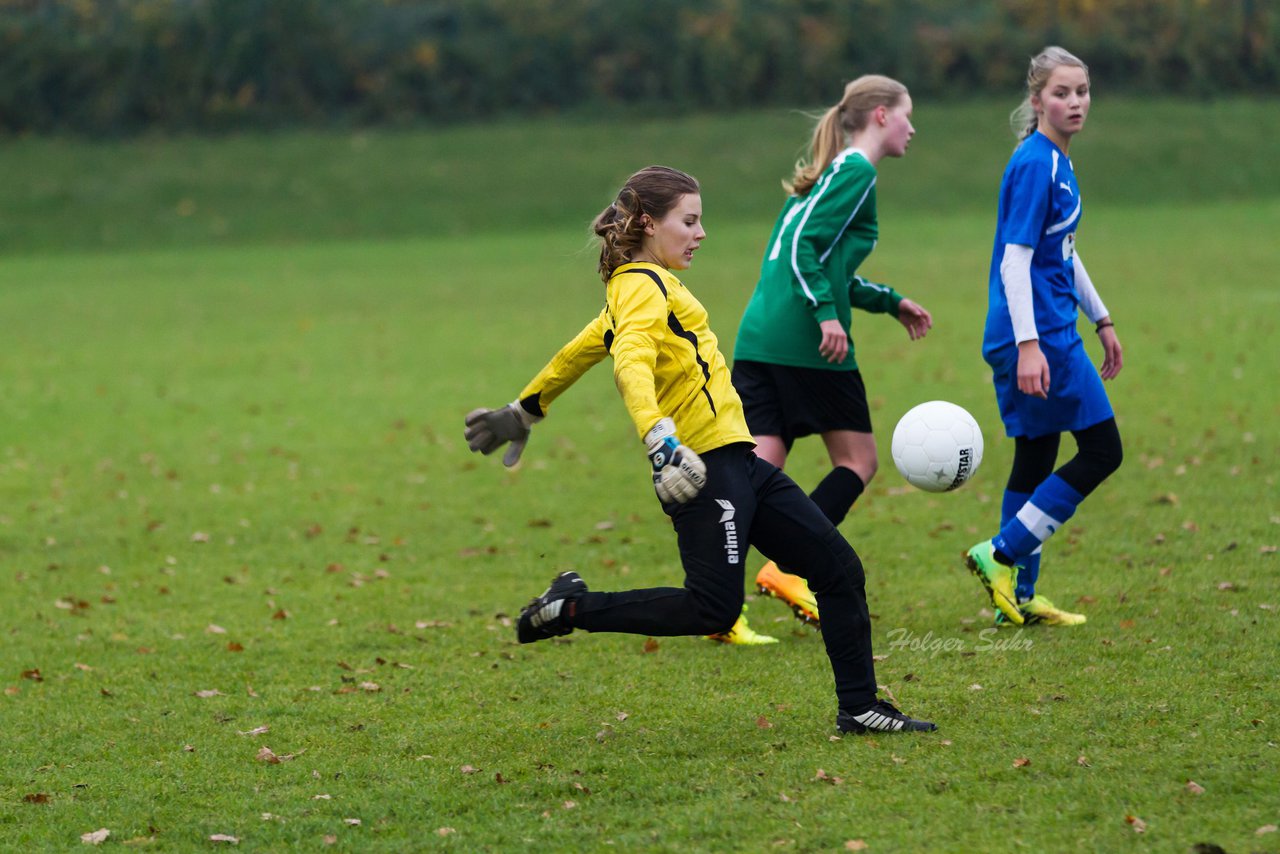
(750, 502)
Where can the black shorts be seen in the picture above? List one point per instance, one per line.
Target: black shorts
(780, 400)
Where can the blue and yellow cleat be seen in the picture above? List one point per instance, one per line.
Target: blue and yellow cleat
(996, 578)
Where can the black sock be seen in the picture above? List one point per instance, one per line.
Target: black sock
(837, 492)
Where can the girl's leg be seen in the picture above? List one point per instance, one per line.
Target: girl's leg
(712, 534)
(790, 529)
(1055, 500)
(854, 463)
(1033, 461)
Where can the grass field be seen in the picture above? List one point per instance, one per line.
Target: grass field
(234, 496)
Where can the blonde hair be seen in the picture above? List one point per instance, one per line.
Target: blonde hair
(1024, 119)
(652, 191)
(838, 123)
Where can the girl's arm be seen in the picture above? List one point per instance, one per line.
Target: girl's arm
(1015, 275)
(1091, 303)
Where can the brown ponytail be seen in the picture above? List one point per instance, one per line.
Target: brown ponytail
(652, 192)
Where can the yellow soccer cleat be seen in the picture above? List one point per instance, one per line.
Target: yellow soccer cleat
(996, 578)
(742, 634)
(1038, 610)
(791, 589)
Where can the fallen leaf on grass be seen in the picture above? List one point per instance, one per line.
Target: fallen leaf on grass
(469, 769)
(266, 754)
(329, 839)
(1082, 761)
(224, 837)
(215, 629)
(86, 668)
(1265, 829)
(570, 805)
(855, 845)
(322, 797)
(763, 723)
(96, 837)
(33, 674)
(351, 822)
(36, 798)
(651, 645)
(210, 693)
(1195, 788)
(1021, 762)
(259, 730)
(444, 831)
(1138, 825)
(824, 777)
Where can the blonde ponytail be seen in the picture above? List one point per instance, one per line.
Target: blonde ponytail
(840, 122)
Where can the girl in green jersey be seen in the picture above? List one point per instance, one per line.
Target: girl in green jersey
(794, 360)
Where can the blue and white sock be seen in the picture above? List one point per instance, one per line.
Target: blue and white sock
(1048, 509)
(1029, 567)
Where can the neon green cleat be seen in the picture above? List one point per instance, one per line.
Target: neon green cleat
(996, 578)
(1038, 610)
(742, 634)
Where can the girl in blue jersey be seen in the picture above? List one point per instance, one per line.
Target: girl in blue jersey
(1045, 384)
(721, 498)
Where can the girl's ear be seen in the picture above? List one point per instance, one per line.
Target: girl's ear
(647, 221)
(881, 114)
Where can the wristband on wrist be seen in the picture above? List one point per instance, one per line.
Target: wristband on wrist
(1103, 325)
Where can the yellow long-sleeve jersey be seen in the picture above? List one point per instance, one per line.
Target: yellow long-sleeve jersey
(666, 360)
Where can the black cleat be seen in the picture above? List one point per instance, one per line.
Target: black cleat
(881, 717)
(541, 619)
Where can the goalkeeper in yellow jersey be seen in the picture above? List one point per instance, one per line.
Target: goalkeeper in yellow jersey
(720, 496)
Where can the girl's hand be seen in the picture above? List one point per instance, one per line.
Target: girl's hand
(835, 341)
(1033, 370)
(915, 317)
(1113, 357)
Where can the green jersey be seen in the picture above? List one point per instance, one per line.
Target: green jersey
(810, 268)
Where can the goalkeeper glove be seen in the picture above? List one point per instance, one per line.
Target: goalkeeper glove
(490, 429)
(678, 473)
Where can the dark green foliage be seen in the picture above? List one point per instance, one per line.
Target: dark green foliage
(118, 66)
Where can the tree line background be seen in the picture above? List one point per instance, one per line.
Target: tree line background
(109, 67)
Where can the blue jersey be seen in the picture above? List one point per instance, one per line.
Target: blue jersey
(1039, 207)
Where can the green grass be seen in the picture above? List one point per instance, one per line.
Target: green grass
(260, 433)
(158, 192)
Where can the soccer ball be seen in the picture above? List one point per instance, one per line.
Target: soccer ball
(937, 446)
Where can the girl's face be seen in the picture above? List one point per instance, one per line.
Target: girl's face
(1063, 103)
(897, 127)
(671, 241)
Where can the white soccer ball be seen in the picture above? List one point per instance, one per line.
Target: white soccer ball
(937, 446)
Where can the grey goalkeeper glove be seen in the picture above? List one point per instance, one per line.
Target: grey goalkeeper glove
(490, 429)
(678, 473)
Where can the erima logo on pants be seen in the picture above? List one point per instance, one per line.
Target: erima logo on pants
(730, 530)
